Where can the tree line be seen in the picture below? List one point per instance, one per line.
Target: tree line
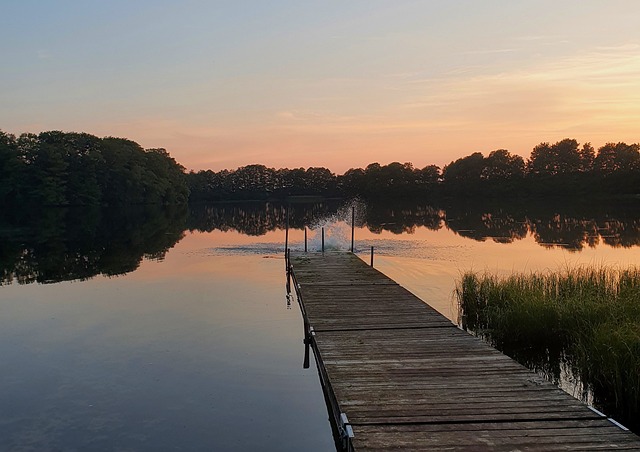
(562, 168)
(63, 169)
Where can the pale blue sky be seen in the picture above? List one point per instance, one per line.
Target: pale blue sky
(332, 83)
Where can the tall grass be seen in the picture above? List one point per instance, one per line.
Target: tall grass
(586, 319)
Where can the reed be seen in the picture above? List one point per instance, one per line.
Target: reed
(586, 319)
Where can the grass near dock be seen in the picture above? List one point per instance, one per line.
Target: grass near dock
(584, 319)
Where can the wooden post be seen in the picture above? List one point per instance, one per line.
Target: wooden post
(323, 240)
(288, 263)
(286, 237)
(372, 256)
(305, 239)
(305, 363)
(353, 225)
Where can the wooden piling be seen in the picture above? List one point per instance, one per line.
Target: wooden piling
(353, 226)
(286, 235)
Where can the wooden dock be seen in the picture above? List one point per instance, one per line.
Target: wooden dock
(399, 375)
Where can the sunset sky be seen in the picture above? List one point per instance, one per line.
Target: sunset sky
(335, 83)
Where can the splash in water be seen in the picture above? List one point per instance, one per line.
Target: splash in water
(337, 228)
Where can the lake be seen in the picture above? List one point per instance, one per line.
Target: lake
(167, 329)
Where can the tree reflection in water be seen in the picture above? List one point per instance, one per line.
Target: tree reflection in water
(51, 245)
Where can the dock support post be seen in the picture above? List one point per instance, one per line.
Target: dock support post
(286, 240)
(287, 260)
(305, 239)
(372, 256)
(308, 337)
(307, 346)
(353, 225)
(323, 240)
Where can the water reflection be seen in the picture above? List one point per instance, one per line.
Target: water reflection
(256, 219)
(570, 225)
(197, 316)
(403, 218)
(196, 352)
(52, 245)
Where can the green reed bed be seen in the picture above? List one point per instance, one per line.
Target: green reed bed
(586, 320)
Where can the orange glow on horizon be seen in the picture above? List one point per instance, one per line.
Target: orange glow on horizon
(419, 82)
(593, 97)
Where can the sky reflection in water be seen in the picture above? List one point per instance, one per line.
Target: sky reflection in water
(197, 352)
(197, 349)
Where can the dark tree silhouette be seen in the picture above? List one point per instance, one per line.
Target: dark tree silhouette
(501, 165)
(61, 169)
(11, 169)
(617, 157)
(58, 168)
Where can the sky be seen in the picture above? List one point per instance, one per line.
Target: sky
(333, 83)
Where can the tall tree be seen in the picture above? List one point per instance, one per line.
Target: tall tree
(320, 180)
(352, 181)
(164, 178)
(464, 175)
(10, 170)
(501, 165)
(563, 157)
(85, 164)
(46, 158)
(122, 180)
(587, 157)
(429, 176)
(614, 157)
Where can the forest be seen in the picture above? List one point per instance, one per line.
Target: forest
(561, 169)
(73, 169)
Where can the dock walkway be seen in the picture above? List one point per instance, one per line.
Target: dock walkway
(399, 375)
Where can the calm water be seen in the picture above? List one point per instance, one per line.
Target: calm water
(197, 352)
(168, 330)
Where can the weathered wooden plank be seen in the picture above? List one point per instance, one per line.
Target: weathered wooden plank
(558, 435)
(407, 378)
(481, 441)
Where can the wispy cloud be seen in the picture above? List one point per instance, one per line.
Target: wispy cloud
(565, 87)
(540, 38)
(43, 55)
(489, 51)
